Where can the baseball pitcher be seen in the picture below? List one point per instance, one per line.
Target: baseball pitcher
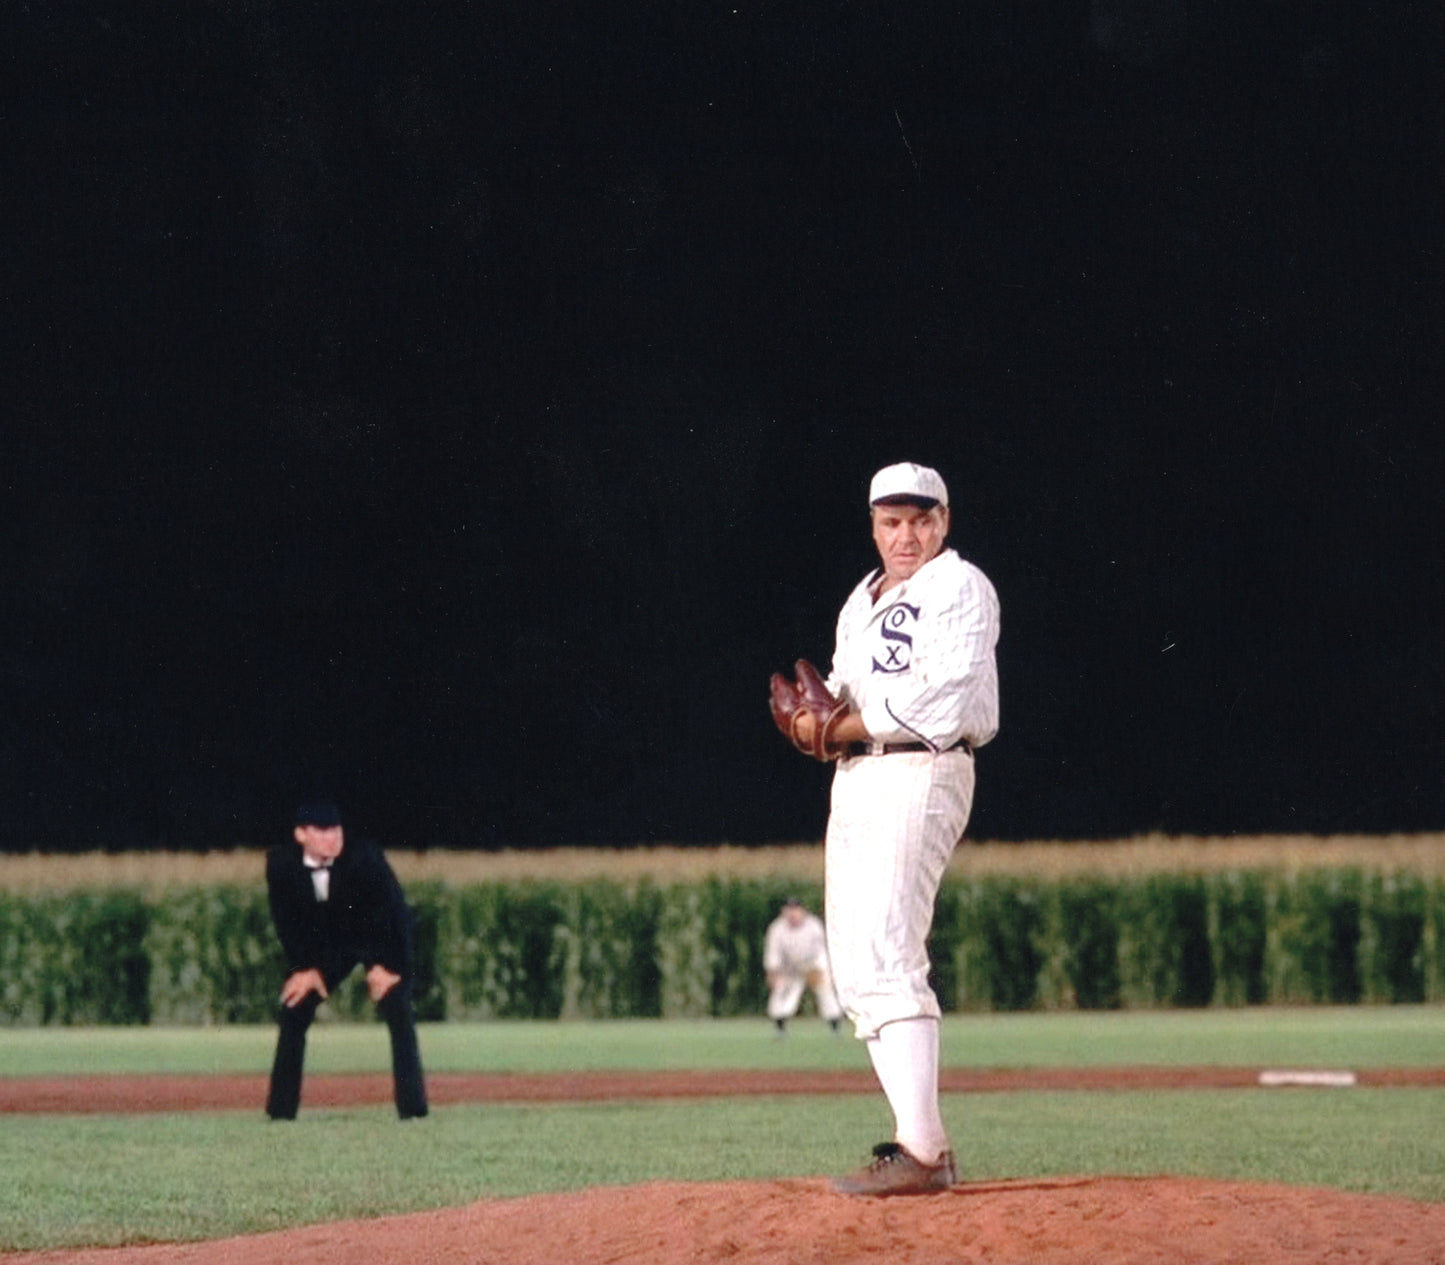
(912, 695)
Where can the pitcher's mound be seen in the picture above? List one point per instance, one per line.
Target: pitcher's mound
(1056, 1221)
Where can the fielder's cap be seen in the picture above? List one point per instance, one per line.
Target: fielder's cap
(905, 483)
(321, 813)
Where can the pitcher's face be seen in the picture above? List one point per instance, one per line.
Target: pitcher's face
(907, 537)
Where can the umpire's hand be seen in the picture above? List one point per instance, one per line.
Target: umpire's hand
(380, 981)
(298, 984)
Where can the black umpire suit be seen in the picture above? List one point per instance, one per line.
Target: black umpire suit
(363, 920)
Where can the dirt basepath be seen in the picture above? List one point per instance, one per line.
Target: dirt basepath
(1057, 1221)
(54, 1094)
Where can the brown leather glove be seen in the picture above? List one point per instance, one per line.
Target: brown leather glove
(789, 701)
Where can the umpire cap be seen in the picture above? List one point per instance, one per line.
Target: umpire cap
(321, 813)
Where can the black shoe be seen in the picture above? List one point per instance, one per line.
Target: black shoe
(895, 1172)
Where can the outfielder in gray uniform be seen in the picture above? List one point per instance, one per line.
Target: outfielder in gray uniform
(912, 695)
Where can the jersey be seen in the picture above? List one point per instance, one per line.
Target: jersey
(919, 664)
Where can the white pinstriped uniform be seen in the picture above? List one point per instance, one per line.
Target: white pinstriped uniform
(919, 664)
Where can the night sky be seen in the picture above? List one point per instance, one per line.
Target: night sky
(461, 410)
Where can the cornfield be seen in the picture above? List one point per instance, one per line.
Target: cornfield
(186, 938)
(1423, 855)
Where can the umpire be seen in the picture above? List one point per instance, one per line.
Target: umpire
(337, 905)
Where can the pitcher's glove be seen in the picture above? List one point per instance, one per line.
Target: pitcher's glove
(790, 701)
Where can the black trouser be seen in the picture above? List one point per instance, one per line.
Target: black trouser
(293, 1023)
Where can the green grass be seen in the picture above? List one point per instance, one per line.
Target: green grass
(85, 1179)
(76, 1180)
(1351, 1036)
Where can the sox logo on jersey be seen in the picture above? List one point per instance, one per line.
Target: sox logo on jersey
(898, 647)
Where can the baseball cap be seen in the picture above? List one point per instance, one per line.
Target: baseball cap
(907, 481)
(321, 813)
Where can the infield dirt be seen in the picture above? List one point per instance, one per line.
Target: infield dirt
(1059, 1221)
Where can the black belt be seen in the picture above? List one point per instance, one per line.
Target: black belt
(894, 748)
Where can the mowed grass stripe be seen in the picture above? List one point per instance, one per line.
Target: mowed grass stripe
(1338, 1036)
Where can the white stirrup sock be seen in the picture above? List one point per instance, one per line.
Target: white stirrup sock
(905, 1058)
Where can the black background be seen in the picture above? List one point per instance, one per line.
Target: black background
(462, 409)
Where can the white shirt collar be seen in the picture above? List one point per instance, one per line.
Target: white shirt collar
(320, 877)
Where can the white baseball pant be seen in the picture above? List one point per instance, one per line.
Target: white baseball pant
(893, 825)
